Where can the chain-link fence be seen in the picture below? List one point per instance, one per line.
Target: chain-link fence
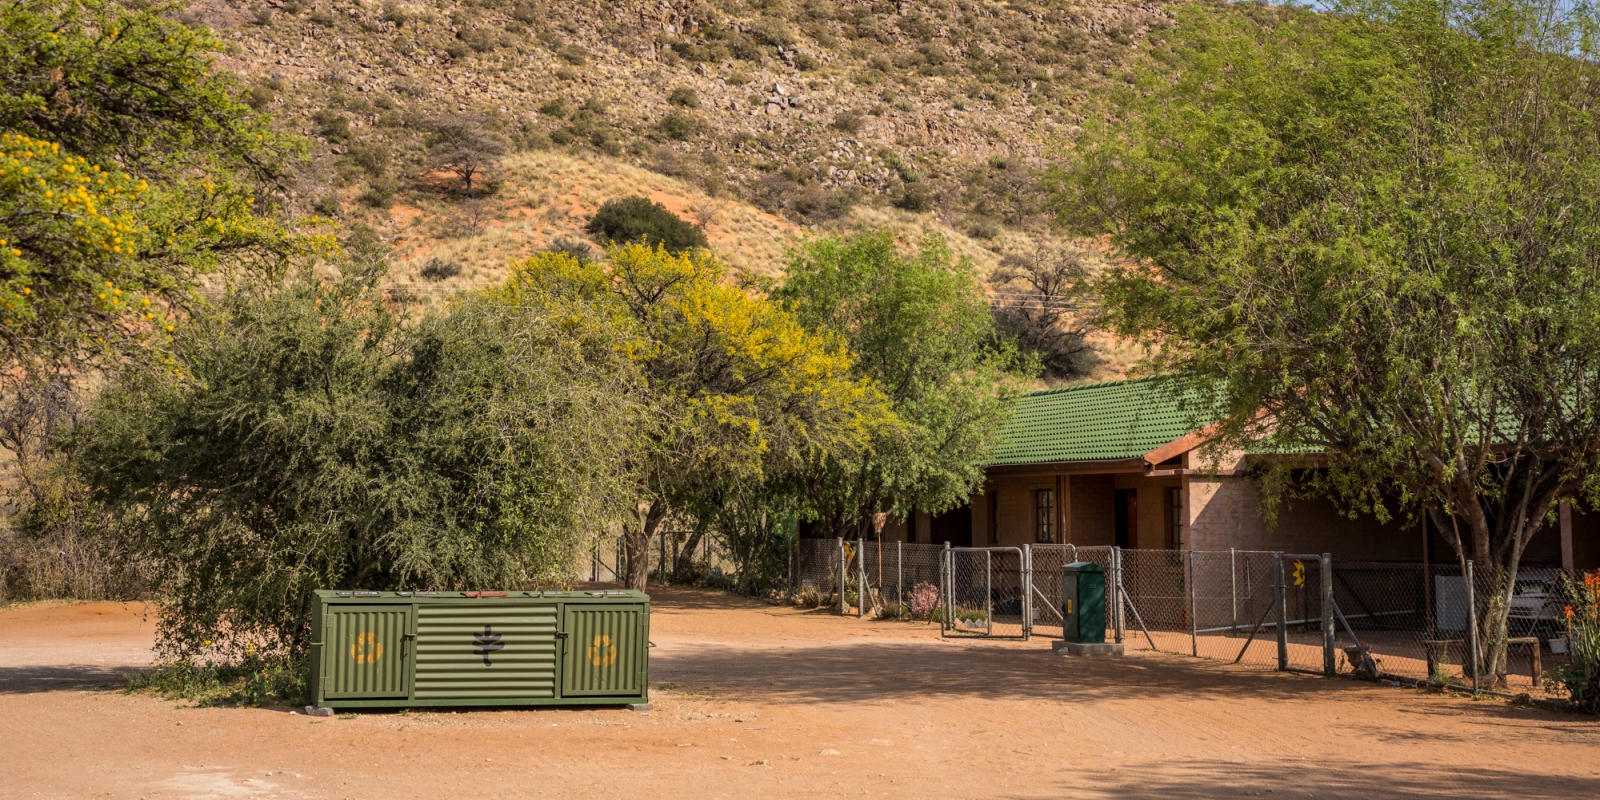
(1284, 611)
(1418, 622)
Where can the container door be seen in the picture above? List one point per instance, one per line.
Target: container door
(489, 652)
(365, 651)
(606, 653)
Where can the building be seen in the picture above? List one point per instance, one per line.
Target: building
(1118, 463)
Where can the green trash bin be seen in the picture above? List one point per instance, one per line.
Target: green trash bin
(1083, 602)
(395, 649)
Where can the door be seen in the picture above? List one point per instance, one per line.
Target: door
(605, 651)
(489, 651)
(365, 652)
(1125, 513)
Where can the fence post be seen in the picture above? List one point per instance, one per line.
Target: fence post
(1281, 600)
(1472, 626)
(948, 591)
(661, 542)
(900, 578)
(1117, 606)
(1233, 585)
(861, 578)
(1329, 667)
(1188, 583)
(841, 576)
(790, 586)
(1027, 592)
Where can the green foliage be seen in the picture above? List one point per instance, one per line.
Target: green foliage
(1581, 675)
(684, 96)
(317, 444)
(734, 391)
(114, 84)
(920, 329)
(1372, 232)
(679, 125)
(249, 683)
(637, 219)
(461, 144)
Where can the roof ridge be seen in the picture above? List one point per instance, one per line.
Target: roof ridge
(1095, 385)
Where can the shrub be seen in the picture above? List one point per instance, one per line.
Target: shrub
(924, 599)
(849, 122)
(679, 126)
(634, 219)
(685, 97)
(331, 125)
(915, 198)
(438, 269)
(580, 251)
(248, 683)
(1581, 675)
(380, 192)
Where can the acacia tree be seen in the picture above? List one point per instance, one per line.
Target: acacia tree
(130, 172)
(318, 443)
(732, 388)
(1372, 232)
(921, 329)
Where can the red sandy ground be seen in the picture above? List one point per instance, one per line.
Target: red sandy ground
(759, 701)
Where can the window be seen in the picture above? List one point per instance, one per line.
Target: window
(1175, 516)
(1044, 502)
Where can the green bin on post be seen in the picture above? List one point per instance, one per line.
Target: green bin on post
(1083, 603)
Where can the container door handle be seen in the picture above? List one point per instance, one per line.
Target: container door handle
(405, 645)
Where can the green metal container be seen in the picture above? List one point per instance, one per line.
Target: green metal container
(378, 649)
(1083, 603)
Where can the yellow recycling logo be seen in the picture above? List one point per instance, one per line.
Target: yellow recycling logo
(367, 649)
(602, 653)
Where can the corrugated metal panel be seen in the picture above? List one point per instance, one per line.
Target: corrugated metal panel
(1095, 422)
(363, 651)
(488, 651)
(605, 651)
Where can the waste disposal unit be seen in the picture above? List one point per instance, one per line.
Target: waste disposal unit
(1083, 602)
(388, 649)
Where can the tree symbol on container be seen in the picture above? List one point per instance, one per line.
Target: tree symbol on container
(486, 642)
(367, 649)
(602, 653)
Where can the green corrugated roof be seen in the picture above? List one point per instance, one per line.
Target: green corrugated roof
(1092, 422)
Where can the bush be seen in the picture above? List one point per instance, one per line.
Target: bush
(679, 126)
(320, 443)
(331, 125)
(579, 251)
(849, 122)
(915, 198)
(437, 269)
(1581, 675)
(248, 683)
(685, 97)
(636, 219)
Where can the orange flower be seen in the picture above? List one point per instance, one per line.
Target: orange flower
(1570, 615)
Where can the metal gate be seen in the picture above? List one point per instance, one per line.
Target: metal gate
(987, 592)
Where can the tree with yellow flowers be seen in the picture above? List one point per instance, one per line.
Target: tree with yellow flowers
(731, 389)
(131, 174)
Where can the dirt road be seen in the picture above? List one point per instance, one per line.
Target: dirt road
(758, 701)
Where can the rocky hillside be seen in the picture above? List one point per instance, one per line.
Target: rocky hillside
(819, 113)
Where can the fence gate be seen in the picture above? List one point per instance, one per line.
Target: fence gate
(987, 592)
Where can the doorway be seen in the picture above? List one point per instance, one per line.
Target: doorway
(1125, 516)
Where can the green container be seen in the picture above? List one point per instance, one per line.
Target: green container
(1083, 602)
(390, 649)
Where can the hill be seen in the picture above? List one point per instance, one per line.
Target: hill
(761, 118)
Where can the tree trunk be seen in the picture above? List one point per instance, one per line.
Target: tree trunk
(636, 545)
(684, 563)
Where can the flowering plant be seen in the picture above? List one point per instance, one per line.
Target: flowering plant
(1582, 675)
